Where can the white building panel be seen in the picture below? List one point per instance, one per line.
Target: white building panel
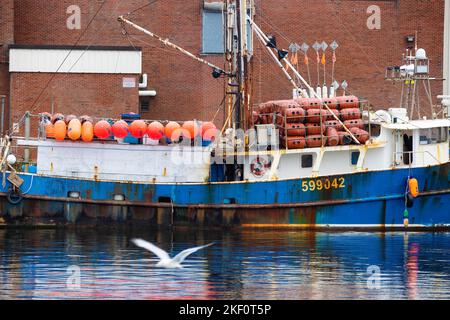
(76, 61)
(123, 162)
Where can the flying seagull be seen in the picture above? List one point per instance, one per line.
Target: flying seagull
(165, 261)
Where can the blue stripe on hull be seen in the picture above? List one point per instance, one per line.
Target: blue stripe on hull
(369, 198)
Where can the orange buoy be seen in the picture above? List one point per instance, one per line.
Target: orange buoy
(120, 129)
(49, 130)
(170, 128)
(155, 130)
(85, 118)
(413, 185)
(138, 128)
(69, 118)
(56, 117)
(193, 128)
(179, 133)
(102, 130)
(211, 134)
(332, 137)
(87, 131)
(60, 129)
(209, 125)
(74, 129)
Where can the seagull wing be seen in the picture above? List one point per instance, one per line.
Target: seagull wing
(152, 248)
(179, 258)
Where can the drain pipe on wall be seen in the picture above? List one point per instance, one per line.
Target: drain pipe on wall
(143, 85)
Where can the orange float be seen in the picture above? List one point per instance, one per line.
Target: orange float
(332, 137)
(170, 128)
(56, 117)
(74, 129)
(102, 130)
(315, 141)
(60, 129)
(192, 128)
(87, 131)
(120, 129)
(211, 134)
(155, 130)
(49, 130)
(179, 133)
(413, 185)
(69, 118)
(293, 142)
(209, 125)
(138, 128)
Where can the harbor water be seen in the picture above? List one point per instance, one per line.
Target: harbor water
(244, 264)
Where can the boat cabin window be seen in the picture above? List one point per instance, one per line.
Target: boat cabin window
(355, 157)
(433, 135)
(375, 130)
(307, 161)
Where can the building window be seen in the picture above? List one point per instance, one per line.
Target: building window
(355, 158)
(213, 36)
(213, 32)
(433, 135)
(144, 105)
(307, 161)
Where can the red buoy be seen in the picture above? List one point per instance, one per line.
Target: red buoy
(211, 134)
(102, 130)
(179, 133)
(192, 128)
(120, 129)
(138, 128)
(155, 130)
(170, 128)
(209, 125)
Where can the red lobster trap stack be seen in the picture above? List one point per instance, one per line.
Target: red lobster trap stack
(307, 123)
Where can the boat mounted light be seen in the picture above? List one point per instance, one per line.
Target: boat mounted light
(119, 197)
(74, 194)
(282, 54)
(216, 73)
(272, 42)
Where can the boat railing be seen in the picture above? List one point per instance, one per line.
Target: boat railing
(409, 158)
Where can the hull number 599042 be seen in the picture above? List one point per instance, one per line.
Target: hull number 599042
(323, 184)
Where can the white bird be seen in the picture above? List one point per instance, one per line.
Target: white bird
(165, 261)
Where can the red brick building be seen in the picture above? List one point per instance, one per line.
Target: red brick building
(371, 35)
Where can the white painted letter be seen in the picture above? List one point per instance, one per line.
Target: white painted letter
(374, 21)
(74, 20)
(374, 281)
(74, 280)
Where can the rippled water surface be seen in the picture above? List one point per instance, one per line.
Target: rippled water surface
(104, 264)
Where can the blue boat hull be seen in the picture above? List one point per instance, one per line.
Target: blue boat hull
(359, 200)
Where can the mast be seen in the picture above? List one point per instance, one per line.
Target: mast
(238, 56)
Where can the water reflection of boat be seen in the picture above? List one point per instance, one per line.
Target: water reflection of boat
(250, 265)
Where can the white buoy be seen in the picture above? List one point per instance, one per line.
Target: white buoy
(11, 159)
(332, 92)
(319, 92)
(324, 92)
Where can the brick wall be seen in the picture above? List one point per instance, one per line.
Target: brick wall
(186, 90)
(92, 94)
(6, 38)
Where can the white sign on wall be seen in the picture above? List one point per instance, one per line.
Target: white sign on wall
(129, 82)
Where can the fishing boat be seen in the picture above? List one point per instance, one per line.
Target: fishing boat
(321, 160)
